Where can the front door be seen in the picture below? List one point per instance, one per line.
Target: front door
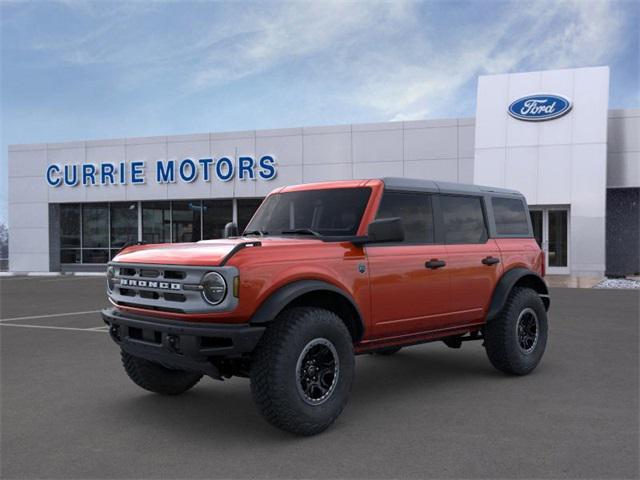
(409, 280)
(406, 295)
(551, 230)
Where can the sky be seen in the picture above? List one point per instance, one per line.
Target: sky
(73, 70)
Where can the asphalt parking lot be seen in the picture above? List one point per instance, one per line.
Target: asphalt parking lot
(69, 411)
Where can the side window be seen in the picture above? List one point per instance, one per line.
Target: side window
(463, 219)
(415, 211)
(511, 217)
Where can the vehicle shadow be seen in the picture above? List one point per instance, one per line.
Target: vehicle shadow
(214, 410)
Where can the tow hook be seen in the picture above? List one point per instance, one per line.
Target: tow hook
(114, 331)
(173, 342)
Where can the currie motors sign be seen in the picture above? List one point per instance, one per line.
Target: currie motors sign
(540, 107)
(187, 170)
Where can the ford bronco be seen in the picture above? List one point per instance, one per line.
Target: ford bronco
(324, 272)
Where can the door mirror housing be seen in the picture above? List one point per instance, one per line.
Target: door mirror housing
(230, 230)
(385, 230)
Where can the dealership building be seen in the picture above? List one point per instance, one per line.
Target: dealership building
(549, 134)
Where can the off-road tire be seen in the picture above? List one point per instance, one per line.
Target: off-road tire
(274, 370)
(156, 378)
(387, 351)
(501, 334)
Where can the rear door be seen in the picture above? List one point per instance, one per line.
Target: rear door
(407, 295)
(474, 258)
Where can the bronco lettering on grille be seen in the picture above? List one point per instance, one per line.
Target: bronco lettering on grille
(130, 282)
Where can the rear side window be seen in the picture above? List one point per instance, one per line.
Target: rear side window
(414, 209)
(463, 219)
(511, 216)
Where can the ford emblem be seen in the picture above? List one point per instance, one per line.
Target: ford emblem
(536, 108)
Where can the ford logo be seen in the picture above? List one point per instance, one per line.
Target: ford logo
(536, 108)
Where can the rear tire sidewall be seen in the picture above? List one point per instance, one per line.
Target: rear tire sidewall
(501, 335)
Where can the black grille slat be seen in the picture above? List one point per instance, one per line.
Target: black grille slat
(174, 297)
(174, 275)
(149, 294)
(149, 273)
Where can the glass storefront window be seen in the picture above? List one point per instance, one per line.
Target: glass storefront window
(95, 232)
(216, 214)
(95, 225)
(156, 222)
(69, 226)
(124, 224)
(186, 221)
(95, 255)
(70, 255)
(558, 238)
(246, 208)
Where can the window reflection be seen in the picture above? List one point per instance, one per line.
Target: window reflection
(95, 232)
(186, 221)
(156, 222)
(124, 224)
(216, 214)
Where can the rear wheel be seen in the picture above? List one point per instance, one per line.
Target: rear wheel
(516, 340)
(302, 370)
(156, 378)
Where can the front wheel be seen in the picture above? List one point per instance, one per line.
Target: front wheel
(302, 370)
(516, 339)
(156, 378)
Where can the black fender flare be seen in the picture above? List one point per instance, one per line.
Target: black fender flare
(506, 283)
(282, 297)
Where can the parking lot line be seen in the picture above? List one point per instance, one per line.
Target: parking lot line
(34, 317)
(51, 328)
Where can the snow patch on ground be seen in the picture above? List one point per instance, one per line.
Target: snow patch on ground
(618, 283)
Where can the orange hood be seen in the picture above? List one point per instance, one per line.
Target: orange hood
(204, 253)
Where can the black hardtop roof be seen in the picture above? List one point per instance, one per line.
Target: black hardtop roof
(413, 184)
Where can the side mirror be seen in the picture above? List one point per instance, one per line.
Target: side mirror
(230, 230)
(385, 230)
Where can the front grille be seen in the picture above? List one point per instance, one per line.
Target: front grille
(167, 288)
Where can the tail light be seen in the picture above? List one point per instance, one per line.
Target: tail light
(543, 259)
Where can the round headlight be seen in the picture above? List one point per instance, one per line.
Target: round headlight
(214, 288)
(111, 273)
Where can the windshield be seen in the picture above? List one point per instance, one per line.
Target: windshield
(330, 212)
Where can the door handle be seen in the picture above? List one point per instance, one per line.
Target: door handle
(435, 263)
(490, 260)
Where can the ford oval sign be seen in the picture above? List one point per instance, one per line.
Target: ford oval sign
(536, 108)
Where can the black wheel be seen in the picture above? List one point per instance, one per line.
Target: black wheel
(302, 370)
(156, 378)
(387, 351)
(515, 340)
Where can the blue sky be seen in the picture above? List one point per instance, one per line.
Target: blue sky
(76, 70)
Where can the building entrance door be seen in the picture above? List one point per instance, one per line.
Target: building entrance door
(551, 230)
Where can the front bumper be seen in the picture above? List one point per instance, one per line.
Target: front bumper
(180, 345)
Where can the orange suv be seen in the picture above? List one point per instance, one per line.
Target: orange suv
(324, 272)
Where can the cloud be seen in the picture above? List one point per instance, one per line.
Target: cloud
(401, 60)
(535, 35)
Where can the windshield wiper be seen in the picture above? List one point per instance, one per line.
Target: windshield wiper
(302, 231)
(255, 232)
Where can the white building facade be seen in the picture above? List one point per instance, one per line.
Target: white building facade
(548, 134)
